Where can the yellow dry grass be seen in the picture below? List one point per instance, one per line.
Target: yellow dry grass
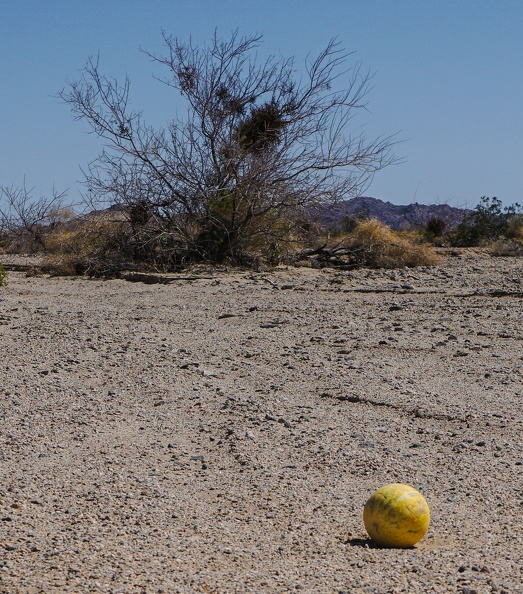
(382, 247)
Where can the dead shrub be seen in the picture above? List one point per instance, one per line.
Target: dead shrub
(373, 244)
(100, 245)
(90, 245)
(381, 247)
(507, 248)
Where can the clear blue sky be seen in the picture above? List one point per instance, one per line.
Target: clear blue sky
(448, 78)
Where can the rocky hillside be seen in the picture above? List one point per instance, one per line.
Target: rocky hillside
(397, 216)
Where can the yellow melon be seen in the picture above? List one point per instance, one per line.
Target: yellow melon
(396, 516)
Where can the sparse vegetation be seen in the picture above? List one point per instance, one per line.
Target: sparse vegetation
(435, 227)
(92, 245)
(507, 248)
(488, 222)
(238, 179)
(258, 146)
(372, 244)
(26, 222)
(3, 275)
(385, 248)
(106, 243)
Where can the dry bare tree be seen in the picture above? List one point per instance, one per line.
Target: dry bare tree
(24, 220)
(256, 146)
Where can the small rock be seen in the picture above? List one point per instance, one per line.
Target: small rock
(189, 364)
(285, 423)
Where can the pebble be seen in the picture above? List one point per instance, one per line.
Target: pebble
(461, 354)
(189, 364)
(286, 423)
(316, 474)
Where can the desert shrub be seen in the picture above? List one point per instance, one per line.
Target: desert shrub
(512, 244)
(372, 244)
(515, 227)
(91, 245)
(255, 142)
(507, 247)
(381, 247)
(26, 220)
(488, 222)
(3, 275)
(101, 246)
(435, 227)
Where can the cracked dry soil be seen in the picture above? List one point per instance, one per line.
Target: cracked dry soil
(222, 434)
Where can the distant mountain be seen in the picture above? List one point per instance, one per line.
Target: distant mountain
(397, 216)
(333, 216)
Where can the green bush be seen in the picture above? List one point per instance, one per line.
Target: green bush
(488, 222)
(435, 227)
(3, 275)
(515, 227)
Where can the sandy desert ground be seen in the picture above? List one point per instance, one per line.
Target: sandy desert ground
(222, 433)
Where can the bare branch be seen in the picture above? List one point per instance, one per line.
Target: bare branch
(256, 141)
(26, 220)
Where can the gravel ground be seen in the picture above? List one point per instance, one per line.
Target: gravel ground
(222, 434)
